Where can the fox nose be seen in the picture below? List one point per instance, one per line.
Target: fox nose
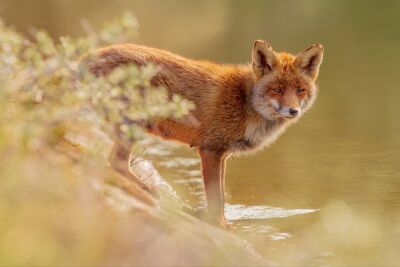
(293, 112)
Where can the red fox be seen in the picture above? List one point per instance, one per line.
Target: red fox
(239, 108)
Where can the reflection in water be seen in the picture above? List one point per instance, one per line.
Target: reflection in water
(243, 218)
(242, 212)
(180, 162)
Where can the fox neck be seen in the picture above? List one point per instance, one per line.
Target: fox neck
(259, 131)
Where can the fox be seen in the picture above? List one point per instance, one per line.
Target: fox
(239, 108)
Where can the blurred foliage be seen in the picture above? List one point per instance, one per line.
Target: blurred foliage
(50, 211)
(44, 82)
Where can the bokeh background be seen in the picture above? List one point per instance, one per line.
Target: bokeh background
(342, 158)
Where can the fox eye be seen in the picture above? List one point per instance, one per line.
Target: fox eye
(277, 90)
(300, 90)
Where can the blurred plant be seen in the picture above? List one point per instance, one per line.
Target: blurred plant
(49, 209)
(44, 83)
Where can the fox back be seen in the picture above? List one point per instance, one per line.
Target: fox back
(238, 107)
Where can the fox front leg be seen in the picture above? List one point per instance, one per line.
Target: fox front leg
(213, 169)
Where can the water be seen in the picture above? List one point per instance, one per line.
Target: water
(328, 191)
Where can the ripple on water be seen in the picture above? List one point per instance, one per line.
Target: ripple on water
(253, 229)
(235, 212)
(241, 213)
(180, 162)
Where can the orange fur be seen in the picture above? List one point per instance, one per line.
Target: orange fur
(238, 107)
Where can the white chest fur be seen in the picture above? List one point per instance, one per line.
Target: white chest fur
(260, 133)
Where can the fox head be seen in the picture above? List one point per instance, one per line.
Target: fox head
(285, 84)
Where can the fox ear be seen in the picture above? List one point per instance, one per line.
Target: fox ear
(264, 58)
(310, 59)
